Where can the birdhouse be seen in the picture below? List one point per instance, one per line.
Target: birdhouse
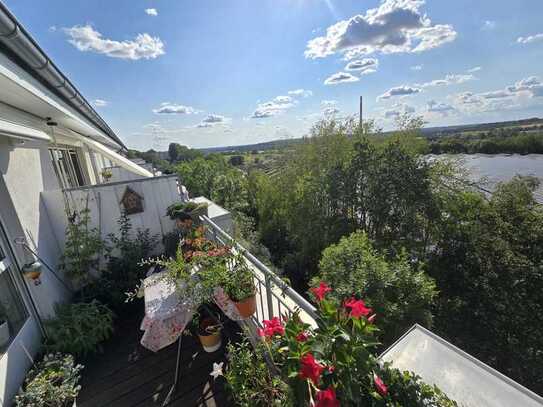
(132, 201)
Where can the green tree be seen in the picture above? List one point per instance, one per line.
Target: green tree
(398, 290)
(488, 264)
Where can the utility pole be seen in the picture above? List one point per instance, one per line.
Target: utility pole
(360, 112)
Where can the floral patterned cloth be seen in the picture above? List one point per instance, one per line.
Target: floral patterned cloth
(167, 313)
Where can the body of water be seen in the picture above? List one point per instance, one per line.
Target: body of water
(495, 168)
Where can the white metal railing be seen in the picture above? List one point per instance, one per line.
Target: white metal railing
(274, 297)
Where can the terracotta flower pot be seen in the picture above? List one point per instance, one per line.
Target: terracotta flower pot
(33, 274)
(211, 341)
(247, 307)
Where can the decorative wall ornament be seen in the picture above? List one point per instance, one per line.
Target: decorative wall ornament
(132, 201)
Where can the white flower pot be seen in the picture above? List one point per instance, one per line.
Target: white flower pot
(4, 334)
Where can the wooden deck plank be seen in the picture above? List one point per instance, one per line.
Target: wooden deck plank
(128, 375)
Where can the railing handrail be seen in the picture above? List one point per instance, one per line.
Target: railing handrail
(286, 289)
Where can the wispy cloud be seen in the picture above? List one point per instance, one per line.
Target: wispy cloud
(395, 26)
(87, 39)
(416, 68)
(488, 25)
(397, 110)
(172, 108)
(403, 90)
(151, 12)
(212, 120)
(451, 79)
(474, 69)
(100, 102)
(300, 93)
(340, 77)
(363, 66)
(531, 38)
(440, 108)
(274, 107)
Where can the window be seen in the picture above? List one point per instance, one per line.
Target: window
(12, 310)
(67, 167)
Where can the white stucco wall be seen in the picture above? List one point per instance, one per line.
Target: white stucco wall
(26, 171)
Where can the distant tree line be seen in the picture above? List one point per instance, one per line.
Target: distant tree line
(498, 141)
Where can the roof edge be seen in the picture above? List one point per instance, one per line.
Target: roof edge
(34, 60)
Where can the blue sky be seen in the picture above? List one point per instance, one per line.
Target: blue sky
(216, 72)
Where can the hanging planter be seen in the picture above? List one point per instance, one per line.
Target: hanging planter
(209, 333)
(32, 272)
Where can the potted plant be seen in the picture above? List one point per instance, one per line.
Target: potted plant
(208, 329)
(106, 174)
(4, 326)
(52, 382)
(180, 210)
(239, 286)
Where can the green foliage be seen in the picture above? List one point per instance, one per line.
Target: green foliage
(488, 265)
(79, 328)
(339, 356)
(175, 210)
(249, 380)
(498, 141)
(236, 160)
(178, 152)
(82, 248)
(338, 181)
(214, 178)
(400, 293)
(124, 254)
(408, 389)
(53, 382)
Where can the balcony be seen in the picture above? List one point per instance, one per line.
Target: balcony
(127, 374)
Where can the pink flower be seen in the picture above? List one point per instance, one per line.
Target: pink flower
(358, 308)
(326, 398)
(302, 336)
(320, 291)
(310, 368)
(371, 318)
(271, 327)
(382, 389)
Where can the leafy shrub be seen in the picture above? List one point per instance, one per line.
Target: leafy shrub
(400, 293)
(124, 254)
(82, 249)
(51, 383)
(249, 380)
(79, 328)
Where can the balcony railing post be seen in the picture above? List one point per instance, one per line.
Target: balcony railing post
(269, 297)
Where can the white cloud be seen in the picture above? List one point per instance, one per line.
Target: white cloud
(531, 38)
(364, 66)
(85, 38)
(474, 69)
(442, 109)
(416, 68)
(340, 77)
(328, 103)
(397, 110)
(488, 25)
(52, 29)
(100, 102)
(274, 107)
(395, 26)
(403, 90)
(300, 93)
(151, 12)
(508, 98)
(452, 79)
(172, 108)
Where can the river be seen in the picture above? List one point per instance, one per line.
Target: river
(495, 168)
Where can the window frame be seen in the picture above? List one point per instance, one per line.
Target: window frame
(67, 164)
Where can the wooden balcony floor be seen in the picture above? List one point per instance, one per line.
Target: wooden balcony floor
(127, 374)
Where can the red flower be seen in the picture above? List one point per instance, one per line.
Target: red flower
(382, 389)
(358, 308)
(320, 291)
(326, 398)
(310, 368)
(302, 336)
(271, 327)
